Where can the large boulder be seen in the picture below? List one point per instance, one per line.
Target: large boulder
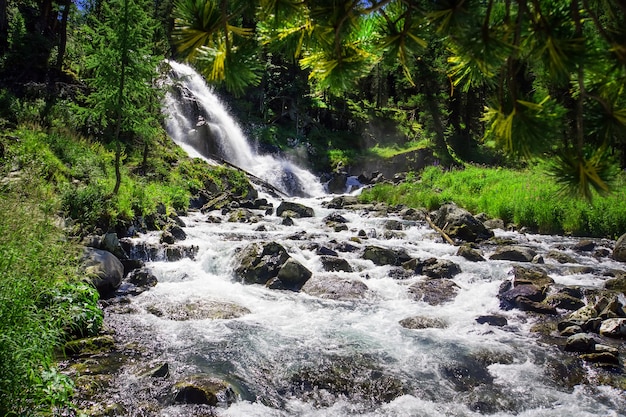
(104, 270)
(333, 287)
(385, 256)
(203, 389)
(292, 275)
(513, 253)
(460, 224)
(300, 210)
(257, 263)
(434, 291)
(619, 251)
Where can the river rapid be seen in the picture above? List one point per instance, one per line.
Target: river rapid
(288, 353)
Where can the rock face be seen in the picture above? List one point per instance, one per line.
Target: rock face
(104, 270)
(460, 224)
(619, 251)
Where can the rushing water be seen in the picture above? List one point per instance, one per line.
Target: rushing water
(293, 354)
(298, 355)
(199, 122)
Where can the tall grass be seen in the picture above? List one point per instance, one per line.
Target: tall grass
(528, 198)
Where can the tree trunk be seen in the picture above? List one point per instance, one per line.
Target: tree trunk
(63, 34)
(4, 27)
(120, 101)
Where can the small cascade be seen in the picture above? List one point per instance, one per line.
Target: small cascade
(199, 122)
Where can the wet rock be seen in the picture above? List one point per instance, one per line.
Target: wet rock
(531, 276)
(257, 263)
(492, 224)
(142, 278)
(293, 274)
(287, 221)
(526, 304)
(346, 247)
(513, 253)
(584, 246)
(612, 309)
(354, 378)
(334, 287)
(603, 358)
(565, 301)
(103, 269)
(470, 253)
(167, 238)
(197, 309)
(334, 264)
(561, 257)
(202, 389)
(178, 252)
(326, 251)
(217, 203)
(343, 201)
(571, 330)
(242, 215)
(177, 231)
(492, 320)
(509, 296)
(90, 345)
(580, 342)
(460, 224)
(335, 218)
(384, 256)
(437, 268)
(466, 374)
(422, 322)
(393, 225)
(300, 210)
(434, 291)
(619, 250)
(111, 243)
(616, 284)
(614, 327)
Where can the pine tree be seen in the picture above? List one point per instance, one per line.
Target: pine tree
(123, 71)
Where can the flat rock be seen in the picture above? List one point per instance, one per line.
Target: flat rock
(513, 253)
(422, 322)
(334, 287)
(434, 291)
(580, 342)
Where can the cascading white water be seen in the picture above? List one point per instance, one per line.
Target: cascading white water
(198, 121)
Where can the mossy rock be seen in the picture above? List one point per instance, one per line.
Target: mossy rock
(90, 345)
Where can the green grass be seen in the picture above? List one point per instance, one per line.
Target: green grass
(528, 198)
(390, 151)
(42, 304)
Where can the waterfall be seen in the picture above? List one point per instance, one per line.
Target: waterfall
(199, 122)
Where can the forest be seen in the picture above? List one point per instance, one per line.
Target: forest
(493, 90)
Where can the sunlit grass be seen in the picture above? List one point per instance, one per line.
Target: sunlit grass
(528, 198)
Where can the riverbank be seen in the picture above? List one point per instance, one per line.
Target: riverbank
(527, 199)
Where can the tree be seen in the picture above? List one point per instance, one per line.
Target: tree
(123, 70)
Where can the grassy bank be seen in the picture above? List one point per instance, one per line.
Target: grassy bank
(528, 198)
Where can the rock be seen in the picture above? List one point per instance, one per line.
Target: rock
(326, 251)
(616, 284)
(384, 256)
(111, 243)
(605, 358)
(614, 327)
(335, 218)
(340, 202)
(460, 224)
(584, 246)
(393, 225)
(178, 252)
(242, 215)
(492, 224)
(466, 374)
(197, 309)
(434, 291)
(612, 309)
(437, 268)
(90, 345)
(177, 232)
(561, 257)
(287, 221)
(571, 330)
(421, 322)
(564, 301)
(334, 264)
(470, 253)
(492, 320)
(513, 253)
(104, 270)
(619, 250)
(580, 342)
(533, 275)
(142, 278)
(217, 203)
(509, 296)
(299, 209)
(167, 238)
(334, 287)
(257, 263)
(526, 304)
(293, 274)
(583, 314)
(202, 389)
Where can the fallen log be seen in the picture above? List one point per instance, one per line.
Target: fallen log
(440, 231)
